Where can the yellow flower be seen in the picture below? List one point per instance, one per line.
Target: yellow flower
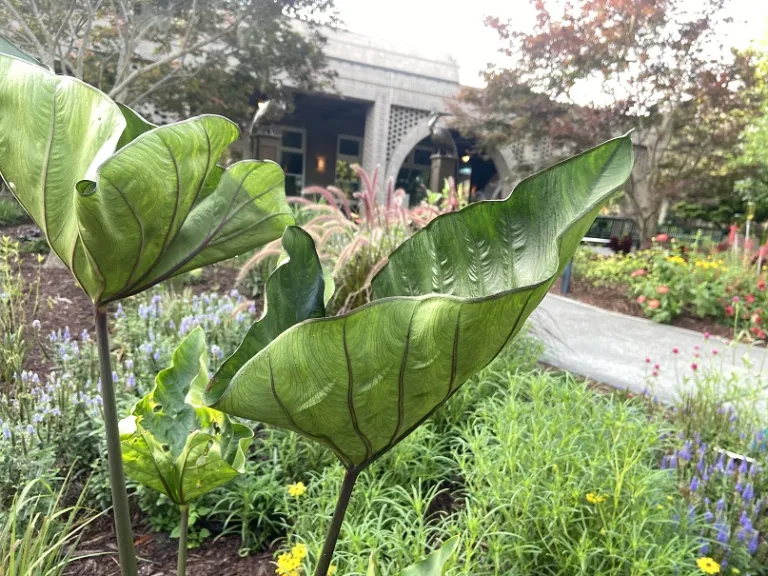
(708, 566)
(299, 551)
(332, 570)
(676, 260)
(593, 498)
(659, 507)
(288, 564)
(297, 490)
(670, 498)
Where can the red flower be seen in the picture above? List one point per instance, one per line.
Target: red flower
(641, 299)
(758, 332)
(662, 289)
(662, 238)
(761, 284)
(750, 299)
(756, 318)
(639, 272)
(729, 311)
(653, 304)
(675, 351)
(694, 366)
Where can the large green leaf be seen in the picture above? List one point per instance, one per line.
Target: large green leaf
(454, 295)
(432, 565)
(124, 204)
(175, 447)
(295, 292)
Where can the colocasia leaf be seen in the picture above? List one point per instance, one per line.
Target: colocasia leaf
(449, 300)
(178, 448)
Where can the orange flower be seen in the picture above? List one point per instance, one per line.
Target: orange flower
(641, 299)
(653, 304)
(639, 272)
(662, 238)
(662, 289)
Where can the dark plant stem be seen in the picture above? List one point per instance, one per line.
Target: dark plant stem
(338, 518)
(181, 569)
(116, 477)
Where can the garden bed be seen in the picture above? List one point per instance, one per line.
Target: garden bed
(616, 299)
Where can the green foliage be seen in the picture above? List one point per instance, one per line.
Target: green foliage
(39, 532)
(173, 445)
(18, 302)
(11, 212)
(124, 210)
(311, 380)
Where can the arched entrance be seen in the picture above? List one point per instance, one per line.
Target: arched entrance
(409, 164)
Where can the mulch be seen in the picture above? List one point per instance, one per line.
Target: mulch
(157, 556)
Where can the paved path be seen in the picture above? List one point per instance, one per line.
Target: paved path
(612, 348)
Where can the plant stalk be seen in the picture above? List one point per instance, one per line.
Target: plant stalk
(181, 569)
(122, 512)
(338, 518)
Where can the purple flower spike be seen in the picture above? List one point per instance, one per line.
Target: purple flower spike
(753, 543)
(694, 484)
(743, 467)
(748, 493)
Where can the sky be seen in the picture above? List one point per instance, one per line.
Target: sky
(456, 26)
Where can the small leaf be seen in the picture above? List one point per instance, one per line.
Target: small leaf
(434, 564)
(174, 447)
(135, 125)
(451, 298)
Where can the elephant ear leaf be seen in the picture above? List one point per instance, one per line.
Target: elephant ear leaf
(295, 291)
(135, 125)
(124, 204)
(456, 293)
(174, 446)
(7, 47)
(434, 564)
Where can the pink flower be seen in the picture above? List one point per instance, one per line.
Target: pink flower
(761, 284)
(639, 272)
(653, 304)
(662, 238)
(655, 373)
(662, 289)
(656, 367)
(694, 366)
(647, 360)
(736, 299)
(729, 310)
(715, 352)
(706, 335)
(750, 299)
(675, 351)
(641, 299)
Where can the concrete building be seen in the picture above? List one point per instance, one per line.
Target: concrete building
(376, 115)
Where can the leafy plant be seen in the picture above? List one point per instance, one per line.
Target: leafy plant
(11, 212)
(361, 382)
(38, 533)
(173, 445)
(17, 304)
(432, 565)
(126, 205)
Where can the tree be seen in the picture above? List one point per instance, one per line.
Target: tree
(181, 57)
(653, 66)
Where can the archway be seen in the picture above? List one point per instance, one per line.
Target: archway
(418, 138)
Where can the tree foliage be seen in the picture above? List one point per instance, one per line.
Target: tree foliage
(655, 66)
(183, 57)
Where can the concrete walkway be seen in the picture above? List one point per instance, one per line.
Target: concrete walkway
(612, 348)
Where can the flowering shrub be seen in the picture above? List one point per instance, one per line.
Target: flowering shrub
(669, 279)
(720, 462)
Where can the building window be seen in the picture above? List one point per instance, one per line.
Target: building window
(349, 150)
(414, 174)
(292, 153)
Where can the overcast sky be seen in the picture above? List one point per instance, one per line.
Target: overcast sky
(456, 26)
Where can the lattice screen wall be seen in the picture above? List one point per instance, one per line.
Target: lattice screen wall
(401, 121)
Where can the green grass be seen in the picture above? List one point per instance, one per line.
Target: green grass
(11, 212)
(510, 473)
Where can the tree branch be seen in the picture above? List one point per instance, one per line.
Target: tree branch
(45, 57)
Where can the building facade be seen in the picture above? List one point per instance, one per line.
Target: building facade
(376, 115)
